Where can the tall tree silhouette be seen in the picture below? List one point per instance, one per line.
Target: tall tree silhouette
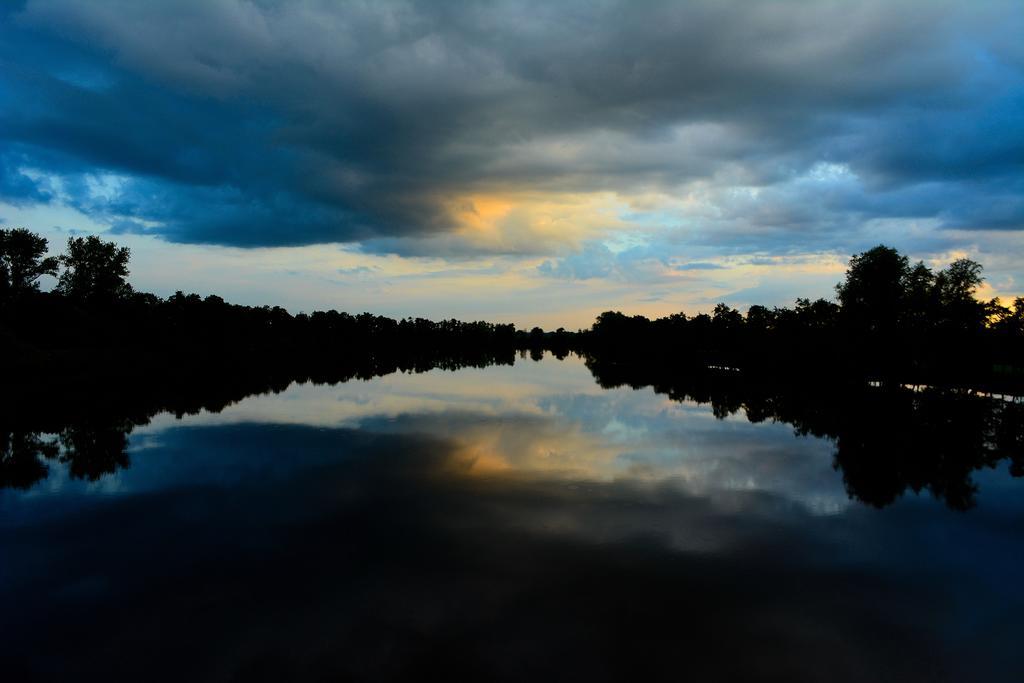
(921, 300)
(23, 261)
(872, 293)
(955, 287)
(94, 270)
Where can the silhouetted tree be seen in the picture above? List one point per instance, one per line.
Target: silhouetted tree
(95, 270)
(1007, 321)
(872, 293)
(760, 318)
(726, 319)
(820, 314)
(920, 298)
(955, 287)
(23, 261)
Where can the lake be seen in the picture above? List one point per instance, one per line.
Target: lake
(519, 522)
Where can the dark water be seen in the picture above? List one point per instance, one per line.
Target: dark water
(505, 523)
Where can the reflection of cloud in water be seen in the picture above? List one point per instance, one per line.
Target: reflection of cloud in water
(291, 550)
(496, 389)
(550, 417)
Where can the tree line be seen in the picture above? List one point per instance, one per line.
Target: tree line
(94, 318)
(890, 319)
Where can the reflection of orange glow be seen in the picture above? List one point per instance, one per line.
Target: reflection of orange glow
(490, 450)
(479, 461)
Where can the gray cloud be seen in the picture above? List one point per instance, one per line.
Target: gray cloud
(276, 123)
(699, 265)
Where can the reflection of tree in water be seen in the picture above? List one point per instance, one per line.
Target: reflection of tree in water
(90, 449)
(899, 439)
(85, 426)
(22, 457)
(887, 439)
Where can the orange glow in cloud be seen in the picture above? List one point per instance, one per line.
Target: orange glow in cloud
(516, 222)
(481, 213)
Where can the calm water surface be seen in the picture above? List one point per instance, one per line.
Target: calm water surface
(504, 523)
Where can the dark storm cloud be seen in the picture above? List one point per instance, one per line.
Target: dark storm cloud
(293, 123)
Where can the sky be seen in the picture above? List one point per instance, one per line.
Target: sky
(527, 162)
